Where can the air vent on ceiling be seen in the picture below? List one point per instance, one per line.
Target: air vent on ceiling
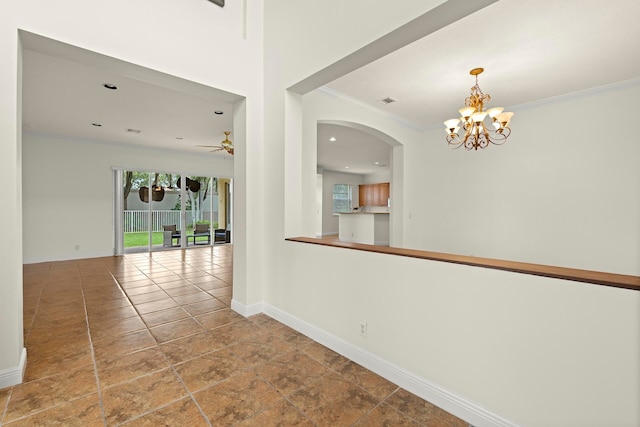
(388, 100)
(133, 130)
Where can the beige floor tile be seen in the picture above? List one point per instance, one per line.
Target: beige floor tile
(129, 400)
(85, 411)
(202, 307)
(243, 330)
(291, 372)
(423, 411)
(181, 413)
(219, 318)
(175, 330)
(110, 328)
(256, 353)
(374, 384)
(333, 401)
(221, 292)
(193, 298)
(164, 316)
(283, 413)
(190, 347)
(185, 288)
(209, 369)
(41, 365)
(226, 300)
(324, 355)
(4, 399)
(386, 416)
(125, 368)
(291, 336)
(148, 296)
(236, 399)
(150, 307)
(180, 283)
(179, 335)
(112, 314)
(35, 396)
(123, 344)
(142, 290)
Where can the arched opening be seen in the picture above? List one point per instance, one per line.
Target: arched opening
(353, 161)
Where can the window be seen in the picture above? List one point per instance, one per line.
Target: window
(341, 198)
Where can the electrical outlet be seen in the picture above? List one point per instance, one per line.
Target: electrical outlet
(363, 329)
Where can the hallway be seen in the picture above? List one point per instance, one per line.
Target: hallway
(149, 339)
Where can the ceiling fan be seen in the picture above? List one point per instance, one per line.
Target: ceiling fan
(225, 145)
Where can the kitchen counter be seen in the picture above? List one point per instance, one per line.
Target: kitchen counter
(365, 213)
(370, 228)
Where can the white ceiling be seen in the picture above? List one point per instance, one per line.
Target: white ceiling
(64, 94)
(531, 50)
(353, 150)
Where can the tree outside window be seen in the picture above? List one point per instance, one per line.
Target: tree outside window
(341, 198)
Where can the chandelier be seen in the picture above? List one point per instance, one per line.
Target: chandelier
(476, 132)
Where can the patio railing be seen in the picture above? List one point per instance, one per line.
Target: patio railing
(138, 221)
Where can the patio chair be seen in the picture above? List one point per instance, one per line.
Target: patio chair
(202, 230)
(169, 233)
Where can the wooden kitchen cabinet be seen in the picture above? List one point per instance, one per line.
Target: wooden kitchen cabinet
(373, 194)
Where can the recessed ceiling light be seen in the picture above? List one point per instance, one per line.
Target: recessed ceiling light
(133, 130)
(376, 163)
(346, 167)
(332, 139)
(218, 112)
(96, 124)
(110, 86)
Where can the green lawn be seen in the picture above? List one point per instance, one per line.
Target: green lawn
(141, 239)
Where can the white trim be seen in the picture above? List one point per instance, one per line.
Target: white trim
(68, 257)
(553, 99)
(459, 406)
(12, 376)
(578, 94)
(246, 310)
(332, 92)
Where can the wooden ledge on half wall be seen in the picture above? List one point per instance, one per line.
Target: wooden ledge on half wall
(585, 276)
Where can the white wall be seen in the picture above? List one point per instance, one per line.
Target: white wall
(375, 178)
(329, 178)
(562, 191)
(535, 351)
(570, 198)
(78, 195)
(197, 41)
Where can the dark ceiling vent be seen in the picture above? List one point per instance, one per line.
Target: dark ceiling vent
(133, 130)
(388, 100)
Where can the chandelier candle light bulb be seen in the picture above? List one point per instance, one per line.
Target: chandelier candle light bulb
(472, 116)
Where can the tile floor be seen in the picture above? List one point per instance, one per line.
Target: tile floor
(150, 340)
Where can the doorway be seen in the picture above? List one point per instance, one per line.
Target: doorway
(164, 211)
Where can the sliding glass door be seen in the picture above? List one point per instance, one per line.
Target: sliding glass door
(160, 211)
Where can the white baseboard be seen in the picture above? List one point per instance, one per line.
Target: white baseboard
(66, 257)
(247, 310)
(12, 376)
(459, 406)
